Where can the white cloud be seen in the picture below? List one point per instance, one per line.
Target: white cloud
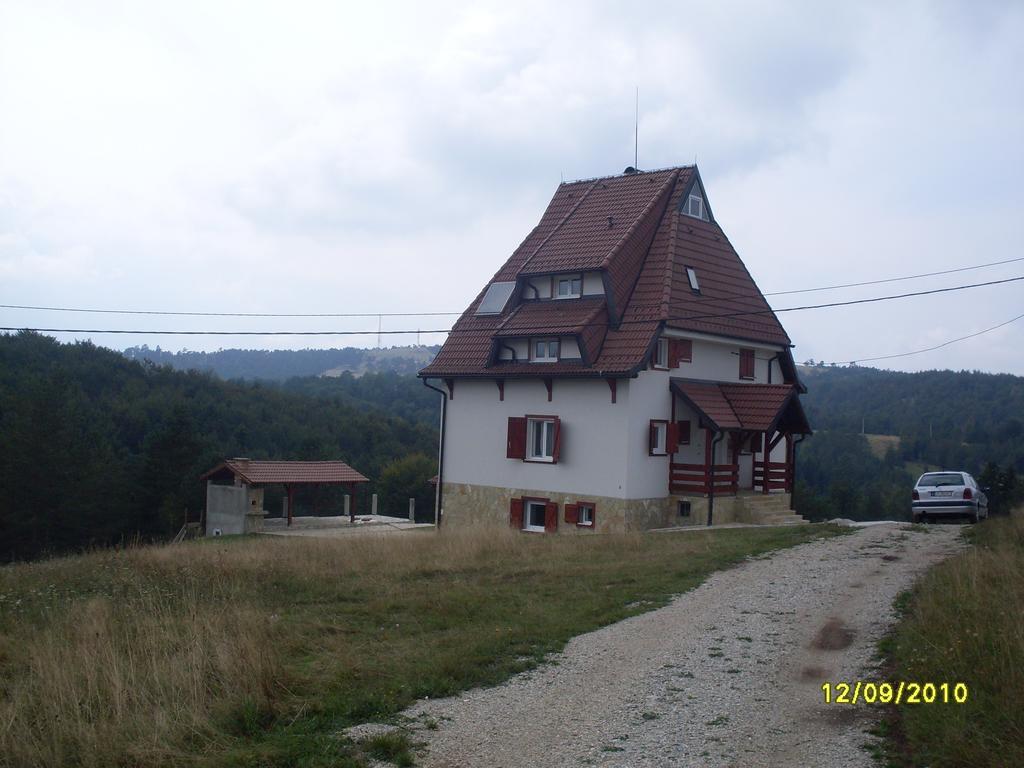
(388, 157)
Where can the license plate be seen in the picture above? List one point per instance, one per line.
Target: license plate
(942, 493)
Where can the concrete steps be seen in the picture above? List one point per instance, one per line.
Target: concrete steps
(770, 509)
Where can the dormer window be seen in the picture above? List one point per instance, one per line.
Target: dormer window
(661, 354)
(695, 206)
(691, 275)
(544, 351)
(569, 287)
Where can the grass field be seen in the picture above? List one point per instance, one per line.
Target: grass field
(256, 651)
(964, 622)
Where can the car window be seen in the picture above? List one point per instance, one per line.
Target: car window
(938, 479)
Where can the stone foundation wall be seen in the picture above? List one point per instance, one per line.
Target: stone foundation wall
(466, 505)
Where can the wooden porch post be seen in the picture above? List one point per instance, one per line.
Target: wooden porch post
(708, 459)
(766, 461)
(737, 438)
(290, 489)
(352, 506)
(789, 463)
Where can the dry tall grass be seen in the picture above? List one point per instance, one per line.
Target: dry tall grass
(186, 653)
(966, 624)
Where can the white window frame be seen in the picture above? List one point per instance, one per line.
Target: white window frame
(661, 438)
(661, 354)
(547, 427)
(691, 275)
(547, 349)
(570, 279)
(527, 525)
(700, 206)
(589, 522)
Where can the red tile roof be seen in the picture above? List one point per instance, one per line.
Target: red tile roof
(259, 472)
(748, 407)
(643, 252)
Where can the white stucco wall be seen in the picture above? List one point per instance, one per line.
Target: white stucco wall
(604, 445)
(593, 454)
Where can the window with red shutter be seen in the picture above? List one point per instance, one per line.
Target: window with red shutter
(746, 363)
(672, 438)
(515, 514)
(684, 432)
(557, 450)
(516, 442)
(658, 442)
(586, 514)
(550, 517)
(572, 514)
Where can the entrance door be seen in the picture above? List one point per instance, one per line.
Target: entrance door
(746, 466)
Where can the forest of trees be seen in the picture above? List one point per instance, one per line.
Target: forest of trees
(97, 449)
(282, 364)
(945, 419)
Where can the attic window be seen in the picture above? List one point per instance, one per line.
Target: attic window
(691, 275)
(695, 206)
(495, 299)
(545, 350)
(570, 287)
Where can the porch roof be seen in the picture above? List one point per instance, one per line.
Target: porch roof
(744, 407)
(258, 472)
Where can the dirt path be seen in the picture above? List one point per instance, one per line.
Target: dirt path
(729, 674)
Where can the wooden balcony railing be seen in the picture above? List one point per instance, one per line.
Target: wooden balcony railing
(779, 474)
(696, 478)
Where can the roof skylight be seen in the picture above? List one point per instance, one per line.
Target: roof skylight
(496, 298)
(691, 275)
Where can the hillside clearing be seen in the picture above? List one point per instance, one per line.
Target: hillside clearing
(257, 651)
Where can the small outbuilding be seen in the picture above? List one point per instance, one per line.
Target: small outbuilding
(235, 487)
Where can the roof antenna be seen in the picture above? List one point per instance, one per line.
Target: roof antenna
(636, 131)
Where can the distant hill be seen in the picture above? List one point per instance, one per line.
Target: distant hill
(282, 364)
(944, 417)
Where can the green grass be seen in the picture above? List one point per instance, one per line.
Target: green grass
(964, 622)
(257, 652)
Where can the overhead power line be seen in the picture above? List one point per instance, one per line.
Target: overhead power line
(227, 314)
(894, 279)
(937, 346)
(547, 328)
(170, 313)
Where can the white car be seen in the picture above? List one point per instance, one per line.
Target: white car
(948, 494)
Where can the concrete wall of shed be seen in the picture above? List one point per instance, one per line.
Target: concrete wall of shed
(233, 509)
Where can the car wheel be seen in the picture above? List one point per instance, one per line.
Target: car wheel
(975, 517)
(915, 518)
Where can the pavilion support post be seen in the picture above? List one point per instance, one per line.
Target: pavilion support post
(352, 508)
(290, 489)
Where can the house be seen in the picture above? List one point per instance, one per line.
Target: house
(621, 371)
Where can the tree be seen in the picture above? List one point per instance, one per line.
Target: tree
(404, 479)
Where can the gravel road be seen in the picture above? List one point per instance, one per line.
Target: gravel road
(728, 674)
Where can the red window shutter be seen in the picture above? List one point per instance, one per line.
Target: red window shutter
(673, 353)
(557, 448)
(746, 363)
(572, 513)
(550, 517)
(685, 351)
(684, 432)
(515, 515)
(515, 446)
(672, 437)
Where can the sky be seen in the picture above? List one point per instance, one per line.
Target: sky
(327, 157)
